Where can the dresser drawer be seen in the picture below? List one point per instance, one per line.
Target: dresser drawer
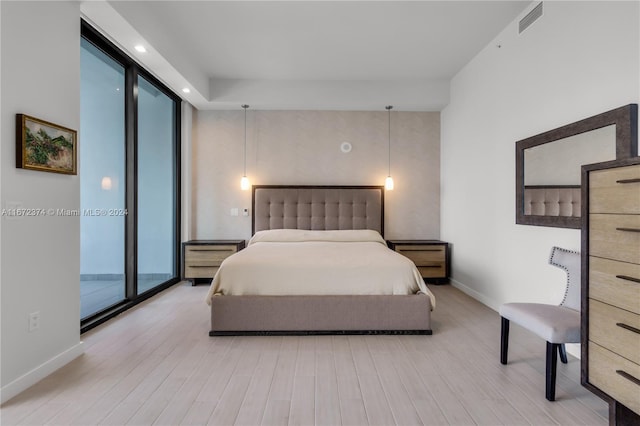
(615, 329)
(606, 287)
(607, 371)
(614, 236)
(615, 190)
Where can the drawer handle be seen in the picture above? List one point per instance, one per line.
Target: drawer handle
(628, 229)
(628, 377)
(417, 249)
(628, 278)
(628, 180)
(209, 249)
(628, 327)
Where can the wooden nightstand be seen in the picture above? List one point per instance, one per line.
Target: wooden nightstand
(430, 256)
(201, 258)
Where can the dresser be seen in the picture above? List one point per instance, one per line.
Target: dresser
(202, 258)
(611, 286)
(430, 256)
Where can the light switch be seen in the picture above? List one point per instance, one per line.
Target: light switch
(234, 211)
(245, 212)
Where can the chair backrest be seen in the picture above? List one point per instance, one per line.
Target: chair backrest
(570, 262)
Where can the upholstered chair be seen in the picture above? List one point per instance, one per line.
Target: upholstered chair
(557, 324)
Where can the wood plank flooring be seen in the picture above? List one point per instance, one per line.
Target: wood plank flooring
(156, 364)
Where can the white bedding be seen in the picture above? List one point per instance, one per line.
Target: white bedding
(299, 262)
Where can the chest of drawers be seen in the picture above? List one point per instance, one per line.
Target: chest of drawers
(611, 285)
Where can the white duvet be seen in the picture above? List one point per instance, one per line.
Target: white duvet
(298, 262)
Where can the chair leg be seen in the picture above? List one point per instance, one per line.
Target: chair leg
(552, 362)
(563, 353)
(504, 340)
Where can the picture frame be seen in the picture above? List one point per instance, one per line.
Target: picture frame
(45, 146)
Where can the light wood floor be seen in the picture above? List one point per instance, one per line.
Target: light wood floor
(156, 364)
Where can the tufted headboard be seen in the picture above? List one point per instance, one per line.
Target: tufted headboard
(317, 207)
(552, 200)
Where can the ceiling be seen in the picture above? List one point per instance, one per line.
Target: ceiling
(306, 54)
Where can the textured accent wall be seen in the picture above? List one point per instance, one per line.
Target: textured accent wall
(303, 148)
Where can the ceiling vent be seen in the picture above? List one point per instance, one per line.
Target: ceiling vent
(531, 17)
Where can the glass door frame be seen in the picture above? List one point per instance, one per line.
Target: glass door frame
(132, 71)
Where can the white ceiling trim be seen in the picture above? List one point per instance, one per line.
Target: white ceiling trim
(224, 94)
(117, 30)
(180, 63)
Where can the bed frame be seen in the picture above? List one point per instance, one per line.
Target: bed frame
(319, 208)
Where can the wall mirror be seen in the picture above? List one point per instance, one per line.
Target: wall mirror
(548, 165)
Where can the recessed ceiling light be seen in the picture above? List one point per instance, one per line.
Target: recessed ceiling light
(186, 90)
(140, 48)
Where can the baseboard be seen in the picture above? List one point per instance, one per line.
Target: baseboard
(476, 295)
(120, 277)
(34, 376)
(572, 348)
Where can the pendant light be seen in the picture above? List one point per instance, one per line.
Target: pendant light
(388, 183)
(244, 182)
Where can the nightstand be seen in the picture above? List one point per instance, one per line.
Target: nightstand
(202, 258)
(430, 256)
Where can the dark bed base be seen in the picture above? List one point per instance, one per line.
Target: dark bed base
(320, 332)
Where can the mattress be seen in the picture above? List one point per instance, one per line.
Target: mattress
(301, 262)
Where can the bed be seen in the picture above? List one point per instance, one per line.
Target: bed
(317, 264)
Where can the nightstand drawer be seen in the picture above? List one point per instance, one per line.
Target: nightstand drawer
(434, 271)
(199, 271)
(423, 255)
(208, 254)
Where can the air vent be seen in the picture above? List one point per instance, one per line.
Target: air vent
(531, 17)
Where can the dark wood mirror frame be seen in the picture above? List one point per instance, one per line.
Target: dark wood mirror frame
(626, 121)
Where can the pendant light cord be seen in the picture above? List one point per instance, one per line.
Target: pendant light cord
(245, 138)
(389, 107)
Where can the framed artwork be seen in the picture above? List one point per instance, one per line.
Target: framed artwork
(45, 146)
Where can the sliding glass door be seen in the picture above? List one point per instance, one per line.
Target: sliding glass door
(130, 181)
(156, 190)
(102, 181)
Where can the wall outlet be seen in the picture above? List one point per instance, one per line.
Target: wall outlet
(34, 321)
(245, 212)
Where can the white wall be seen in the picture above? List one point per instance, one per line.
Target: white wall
(579, 59)
(40, 255)
(303, 148)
